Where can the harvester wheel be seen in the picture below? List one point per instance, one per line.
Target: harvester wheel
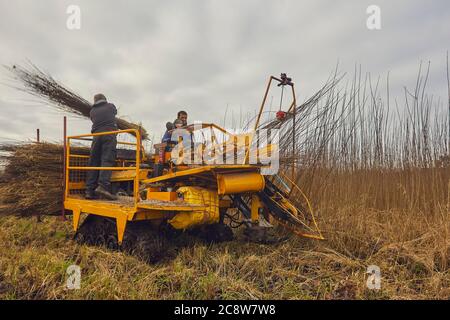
(89, 239)
(150, 247)
(258, 234)
(100, 240)
(79, 238)
(92, 231)
(111, 242)
(128, 243)
(217, 232)
(141, 238)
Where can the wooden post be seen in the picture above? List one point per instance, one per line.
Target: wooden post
(38, 217)
(63, 211)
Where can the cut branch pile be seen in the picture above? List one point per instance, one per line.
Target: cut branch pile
(31, 183)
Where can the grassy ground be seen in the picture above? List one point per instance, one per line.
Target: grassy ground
(414, 263)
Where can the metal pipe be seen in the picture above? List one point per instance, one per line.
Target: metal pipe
(259, 115)
(138, 165)
(264, 101)
(65, 170)
(118, 142)
(103, 133)
(102, 168)
(293, 132)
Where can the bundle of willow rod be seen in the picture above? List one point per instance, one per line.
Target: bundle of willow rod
(36, 82)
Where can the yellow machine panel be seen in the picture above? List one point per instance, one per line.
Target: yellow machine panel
(239, 183)
(197, 196)
(164, 196)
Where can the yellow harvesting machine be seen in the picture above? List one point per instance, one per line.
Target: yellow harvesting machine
(164, 193)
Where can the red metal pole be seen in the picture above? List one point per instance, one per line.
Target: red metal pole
(63, 211)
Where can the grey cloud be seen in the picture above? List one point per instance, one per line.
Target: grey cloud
(152, 58)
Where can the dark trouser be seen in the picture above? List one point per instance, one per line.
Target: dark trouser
(103, 154)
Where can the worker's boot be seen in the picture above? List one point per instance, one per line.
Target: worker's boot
(105, 193)
(90, 195)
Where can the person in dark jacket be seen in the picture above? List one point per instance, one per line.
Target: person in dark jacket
(167, 135)
(103, 149)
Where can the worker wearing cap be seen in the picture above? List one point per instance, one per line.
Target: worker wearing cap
(103, 148)
(168, 133)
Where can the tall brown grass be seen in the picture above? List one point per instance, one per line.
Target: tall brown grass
(378, 174)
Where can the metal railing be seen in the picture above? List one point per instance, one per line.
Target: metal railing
(89, 137)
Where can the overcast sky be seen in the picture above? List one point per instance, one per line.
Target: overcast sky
(153, 58)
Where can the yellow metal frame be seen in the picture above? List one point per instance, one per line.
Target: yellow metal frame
(292, 108)
(138, 144)
(161, 205)
(199, 170)
(136, 209)
(122, 212)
